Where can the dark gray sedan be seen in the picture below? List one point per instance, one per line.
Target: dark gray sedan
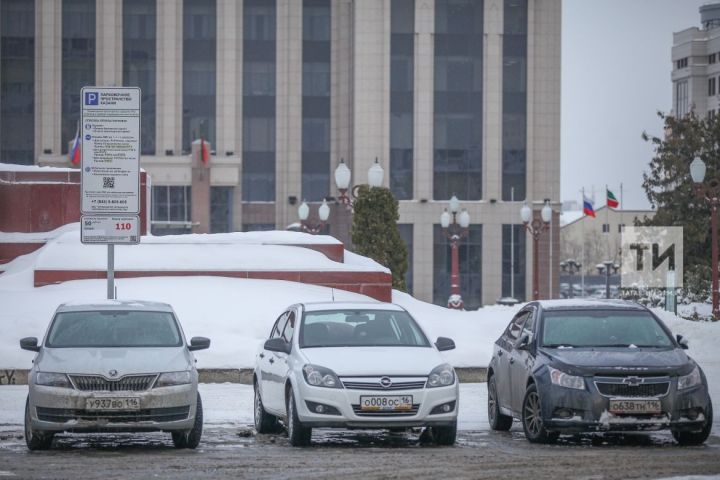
(573, 366)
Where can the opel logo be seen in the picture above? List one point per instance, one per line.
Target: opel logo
(633, 381)
(113, 373)
(385, 382)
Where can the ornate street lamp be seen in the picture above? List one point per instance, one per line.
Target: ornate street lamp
(710, 192)
(608, 268)
(304, 213)
(343, 176)
(571, 267)
(535, 227)
(455, 228)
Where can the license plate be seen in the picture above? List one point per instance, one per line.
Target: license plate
(112, 403)
(386, 402)
(635, 406)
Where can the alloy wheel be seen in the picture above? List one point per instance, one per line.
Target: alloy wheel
(533, 418)
(492, 401)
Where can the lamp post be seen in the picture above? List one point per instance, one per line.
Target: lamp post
(710, 192)
(607, 267)
(571, 267)
(455, 228)
(304, 213)
(343, 176)
(535, 227)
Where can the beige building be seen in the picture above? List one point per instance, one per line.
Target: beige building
(451, 96)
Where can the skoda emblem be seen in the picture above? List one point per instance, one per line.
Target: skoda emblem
(385, 382)
(633, 381)
(113, 373)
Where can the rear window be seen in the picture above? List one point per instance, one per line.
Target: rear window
(105, 328)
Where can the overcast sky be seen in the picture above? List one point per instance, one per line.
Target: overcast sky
(615, 77)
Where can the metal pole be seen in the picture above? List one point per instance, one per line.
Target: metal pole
(512, 249)
(607, 279)
(582, 247)
(550, 270)
(455, 267)
(111, 272)
(536, 278)
(714, 266)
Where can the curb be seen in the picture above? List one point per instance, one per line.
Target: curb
(238, 375)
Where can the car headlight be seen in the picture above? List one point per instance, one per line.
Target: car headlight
(320, 376)
(52, 380)
(565, 380)
(690, 380)
(173, 378)
(441, 376)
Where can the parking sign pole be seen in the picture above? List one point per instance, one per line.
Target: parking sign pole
(111, 272)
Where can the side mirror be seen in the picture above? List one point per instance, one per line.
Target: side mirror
(199, 343)
(682, 341)
(443, 344)
(524, 342)
(30, 343)
(277, 345)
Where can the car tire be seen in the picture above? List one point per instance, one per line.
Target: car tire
(264, 422)
(445, 435)
(191, 438)
(33, 439)
(532, 420)
(696, 438)
(497, 420)
(298, 434)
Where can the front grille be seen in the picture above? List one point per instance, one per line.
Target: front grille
(386, 413)
(62, 415)
(129, 383)
(625, 390)
(376, 385)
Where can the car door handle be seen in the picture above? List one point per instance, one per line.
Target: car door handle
(272, 360)
(262, 355)
(512, 359)
(500, 353)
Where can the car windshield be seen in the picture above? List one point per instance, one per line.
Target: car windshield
(93, 329)
(364, 328)
(602, 328)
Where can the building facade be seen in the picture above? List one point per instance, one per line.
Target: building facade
(450, 96)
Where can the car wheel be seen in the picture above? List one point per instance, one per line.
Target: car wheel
(191, 438)
(497, 420)
(298, 434)
(445, 435)
(264, 422)
(33, 439)
(696, 438)
(532, 418)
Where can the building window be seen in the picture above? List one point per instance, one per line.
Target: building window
(513, 285)
(712, 58)
(17, 83)
(171, 210)
(606, 228)
(199, 71)
(402, 51)
(316, 100)
(221, 201)
(711, 86)
(514, 133)
(681, 98)
(458, 112)
(682, 63)
(621, 228)
(711, 114)
(258, 166)
(139, 62)
(406, 232)
(258, 227)
(78, 62)
(470, 253)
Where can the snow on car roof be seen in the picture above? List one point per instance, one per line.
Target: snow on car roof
(578, 303)
(319, 306)
(80, 305)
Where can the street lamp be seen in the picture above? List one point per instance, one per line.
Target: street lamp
(535, 227)
(455, 227)
(710, 192)
(343, 176)
(304, 213)
(607, 267)
(571, 267)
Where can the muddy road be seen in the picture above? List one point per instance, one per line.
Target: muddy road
(235, 452)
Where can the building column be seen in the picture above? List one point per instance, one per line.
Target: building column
(48, 81)
(424, 93)
(423, 274)
(492, 101)
(169, 77)
(229, 54)
(109, 51)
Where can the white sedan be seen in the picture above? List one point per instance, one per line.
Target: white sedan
(353, 365)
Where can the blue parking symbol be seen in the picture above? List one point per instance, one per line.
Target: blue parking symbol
(91, 98)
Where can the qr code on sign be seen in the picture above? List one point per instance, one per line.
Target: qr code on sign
(108, 182)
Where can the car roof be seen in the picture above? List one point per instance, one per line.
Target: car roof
(320, 306)
(589, 304)
(137, 305)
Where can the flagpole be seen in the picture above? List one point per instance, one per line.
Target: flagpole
(582, 243)
(512, 248)
(607, 221)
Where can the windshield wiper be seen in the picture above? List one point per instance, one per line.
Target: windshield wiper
(558, 345)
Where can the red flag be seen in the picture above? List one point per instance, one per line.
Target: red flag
(75, 151)
(611, 200)
(204, 152)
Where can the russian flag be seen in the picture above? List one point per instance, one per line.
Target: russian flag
(588, 207)
(75, 151)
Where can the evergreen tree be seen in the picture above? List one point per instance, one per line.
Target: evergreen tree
(375, 231)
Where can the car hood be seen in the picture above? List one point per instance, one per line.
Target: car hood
(375, 361)
(615, 361)
(101, 360)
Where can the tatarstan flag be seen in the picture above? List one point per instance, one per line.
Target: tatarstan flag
(612, 202)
